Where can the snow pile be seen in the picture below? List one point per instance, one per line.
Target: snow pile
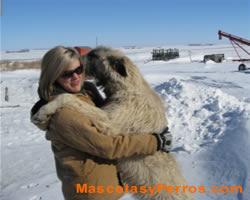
(202, 113)
(210, 62)
(210, 135)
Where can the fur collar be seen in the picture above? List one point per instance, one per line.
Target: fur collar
(42, 117)
(42, 110)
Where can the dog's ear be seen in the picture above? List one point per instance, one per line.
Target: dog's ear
(118, 65)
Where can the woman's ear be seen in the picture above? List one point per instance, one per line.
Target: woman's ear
(118, 65)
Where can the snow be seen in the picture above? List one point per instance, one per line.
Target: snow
(207, 105)
(33, 54)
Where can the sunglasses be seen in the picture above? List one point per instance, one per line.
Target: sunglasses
(68, 74)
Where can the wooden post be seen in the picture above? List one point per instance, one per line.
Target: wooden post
(6, 94)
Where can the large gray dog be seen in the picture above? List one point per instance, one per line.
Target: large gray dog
(132, 107)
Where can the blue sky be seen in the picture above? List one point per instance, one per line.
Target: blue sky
(46, 23)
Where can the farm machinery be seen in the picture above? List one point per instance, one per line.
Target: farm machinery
(237, 41)
(165, 54)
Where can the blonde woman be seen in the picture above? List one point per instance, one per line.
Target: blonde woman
(82, 154)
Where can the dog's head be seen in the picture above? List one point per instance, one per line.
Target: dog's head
(111, 68)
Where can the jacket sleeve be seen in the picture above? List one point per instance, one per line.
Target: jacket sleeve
(76, 131)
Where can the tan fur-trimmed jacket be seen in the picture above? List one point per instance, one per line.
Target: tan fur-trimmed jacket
(85, 155)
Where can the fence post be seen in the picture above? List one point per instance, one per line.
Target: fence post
(6, 94)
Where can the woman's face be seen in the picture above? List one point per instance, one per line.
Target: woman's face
(72, 77)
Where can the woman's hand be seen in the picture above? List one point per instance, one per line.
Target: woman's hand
(164, 140)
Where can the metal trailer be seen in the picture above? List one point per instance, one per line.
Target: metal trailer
(218, 58)
(165, 54)
(235, 40)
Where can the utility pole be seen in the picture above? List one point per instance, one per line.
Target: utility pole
(96, 41)
(189, 53)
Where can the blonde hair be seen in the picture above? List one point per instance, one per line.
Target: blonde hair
(53, 64)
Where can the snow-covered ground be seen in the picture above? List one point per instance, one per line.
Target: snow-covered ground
(33, 54)
(208, 107)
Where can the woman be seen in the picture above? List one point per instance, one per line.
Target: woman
(83, 155)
